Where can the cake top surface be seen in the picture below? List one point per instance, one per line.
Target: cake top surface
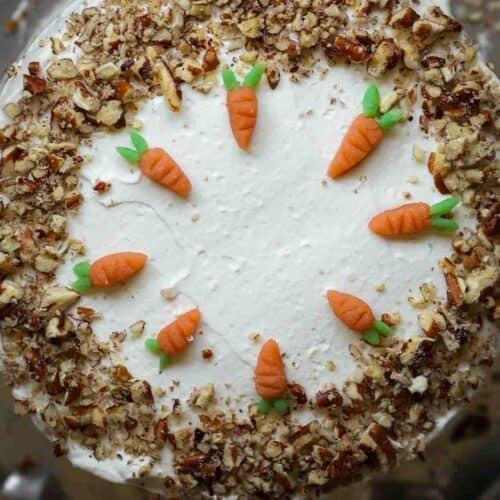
(262, 237)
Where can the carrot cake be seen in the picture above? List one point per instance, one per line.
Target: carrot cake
(247, 248)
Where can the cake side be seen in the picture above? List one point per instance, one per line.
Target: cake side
(390, 385)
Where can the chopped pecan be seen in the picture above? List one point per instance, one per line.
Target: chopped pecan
(102, 187)
(386, 56)
(404, 19)
(34, 68)
(491, 225)
(328, 398)
(210, 60)
(340, 46)
(345, 467)
(34, 84)
(207, 354)
(273, 76)
(161, 431)
(171, 92)
(63, 69)
(298, 393)
(35, 363)
(379, 435)
(455, 293)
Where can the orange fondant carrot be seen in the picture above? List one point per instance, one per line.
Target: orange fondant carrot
(242, 104)
(108, 271)
(362, 138)
(364, 135)
(157, 164)
(415, 217)
(353, 312)
(358, 316)
(175, 338)
(270, 378)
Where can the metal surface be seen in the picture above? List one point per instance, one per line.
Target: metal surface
(461, 465)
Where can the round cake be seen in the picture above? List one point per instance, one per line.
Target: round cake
(247, 248)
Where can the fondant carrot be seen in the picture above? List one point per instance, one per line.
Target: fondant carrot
(364, 135)
(175, 338)
(415, 217)
(157, 164)
(270, 378)
(108, 271)
(358, 316)
(242, 104)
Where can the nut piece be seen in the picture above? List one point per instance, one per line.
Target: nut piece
(210, 60)
(201, 398)
(107, 71)
(34, 84)
(431, 323)
(251, 28)
(329, 397)
(137, 328)
(58, 327)
(64, 69)
(10, 293)
(189, 71)
(386, 56)
(45, 263)
(478, 281)
(110, 113)
(141, 393)
(404, 19)
(456, 288)
(419, 385)
(86, 101)
(59, 298)
(168, 86)
(341, 46)
(273, 76)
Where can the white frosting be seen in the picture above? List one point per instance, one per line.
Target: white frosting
(271, 239)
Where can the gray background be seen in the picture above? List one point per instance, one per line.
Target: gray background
(462, 464)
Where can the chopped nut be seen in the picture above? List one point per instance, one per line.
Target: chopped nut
(317, 478)
(348, 49)
(110, 113)
(63, 69)
(404, 19)
(456, 289)
(386, 56)
(34, 84)
(10, 293)
(478, 281)
(57, 45)
(252, 27)
(141, 392)
(202, 398)
(102, 187)
(137, 329)
(207, 354)
(168, 86)
(419, 385)
(86, 101)
(329, 397)
(107, 71)
(418, 154)
(273, 76)
(210, 60)
(45, 263)
(59, 298)
(58, 327)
